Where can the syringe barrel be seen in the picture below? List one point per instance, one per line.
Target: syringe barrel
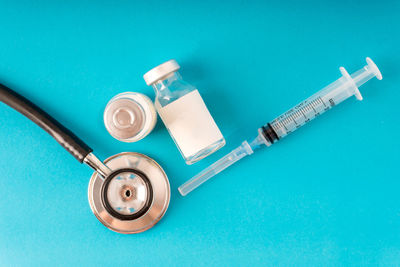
(320, 102)
(307, 110)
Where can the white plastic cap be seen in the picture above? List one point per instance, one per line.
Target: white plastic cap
(161, 71)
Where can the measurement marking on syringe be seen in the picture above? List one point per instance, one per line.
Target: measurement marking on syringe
(313, 109)
(293, 120)
(303, 110)
(303, 114)
(322, 101)
(313, 105)
(277, 125)
(282, 125)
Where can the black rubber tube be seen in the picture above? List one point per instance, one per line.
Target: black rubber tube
(62, 135)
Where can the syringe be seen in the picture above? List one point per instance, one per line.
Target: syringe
(288, 122)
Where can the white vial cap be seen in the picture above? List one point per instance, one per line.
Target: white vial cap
(161, 71)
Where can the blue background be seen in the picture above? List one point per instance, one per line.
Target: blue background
(327, 195)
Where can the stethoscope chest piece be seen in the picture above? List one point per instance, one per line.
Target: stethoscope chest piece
(134, 197)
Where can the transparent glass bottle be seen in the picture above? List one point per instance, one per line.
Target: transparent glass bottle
(184, 113)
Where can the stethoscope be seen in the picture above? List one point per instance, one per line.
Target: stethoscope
(129, 193)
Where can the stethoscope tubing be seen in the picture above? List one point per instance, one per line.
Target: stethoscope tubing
(67, 139)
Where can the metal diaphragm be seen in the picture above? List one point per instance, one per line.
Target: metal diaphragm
(134, 197)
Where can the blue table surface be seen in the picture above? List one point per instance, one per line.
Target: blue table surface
(328, 195)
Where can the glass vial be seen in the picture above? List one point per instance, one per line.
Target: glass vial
(130, 116)
(184, 113)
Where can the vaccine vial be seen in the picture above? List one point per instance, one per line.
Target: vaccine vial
(130, 116)
(184, 113)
